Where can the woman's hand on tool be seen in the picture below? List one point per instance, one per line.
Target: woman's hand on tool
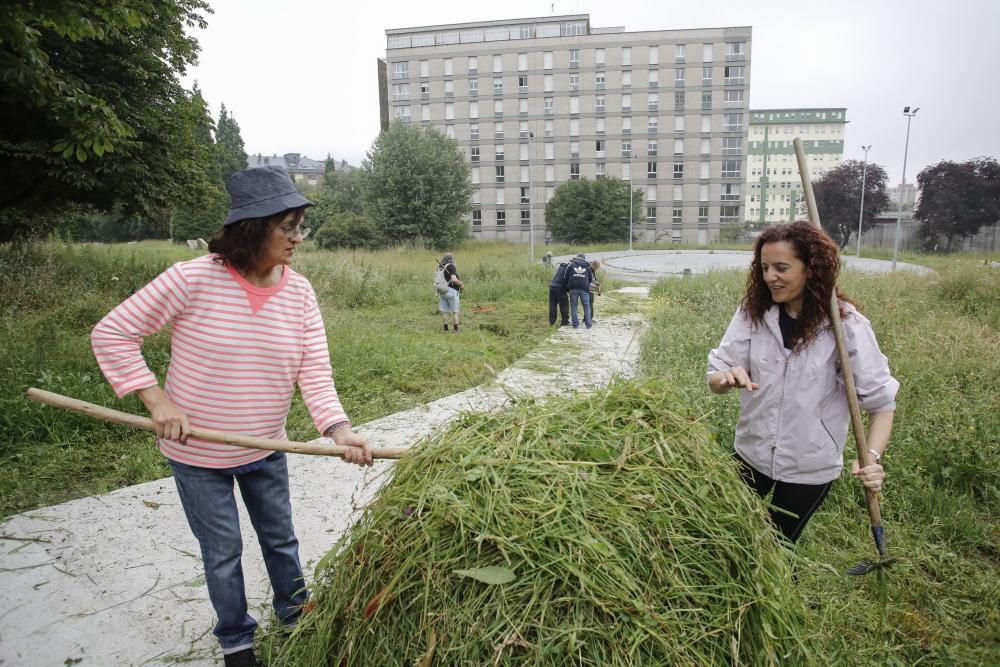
(722, 381)
(871, 476)
(169, 421)
(358, 450)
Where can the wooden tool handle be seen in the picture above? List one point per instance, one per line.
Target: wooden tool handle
(146, 424)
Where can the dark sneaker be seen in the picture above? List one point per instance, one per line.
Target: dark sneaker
(244, 658)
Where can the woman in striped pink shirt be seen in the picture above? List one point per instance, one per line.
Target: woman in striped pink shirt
(246, 329)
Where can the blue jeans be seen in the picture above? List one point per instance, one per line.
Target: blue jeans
(210, 507)
(583, 295)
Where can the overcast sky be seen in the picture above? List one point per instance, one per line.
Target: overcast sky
(300, 75)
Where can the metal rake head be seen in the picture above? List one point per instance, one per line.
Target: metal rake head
(866, 566)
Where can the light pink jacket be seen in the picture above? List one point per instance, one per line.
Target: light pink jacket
(794, 428)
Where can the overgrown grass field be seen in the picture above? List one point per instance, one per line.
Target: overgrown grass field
(386, 344)
(942, 497)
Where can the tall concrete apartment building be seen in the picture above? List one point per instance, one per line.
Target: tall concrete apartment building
(537, 102)
(774, 188)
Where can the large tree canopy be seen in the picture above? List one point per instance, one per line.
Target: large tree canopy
(91, 109)
(957, 199)
(417, 186)
(838, 198)
(592, 211)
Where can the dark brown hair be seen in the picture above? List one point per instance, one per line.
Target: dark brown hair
(240, 244)
(821, 256)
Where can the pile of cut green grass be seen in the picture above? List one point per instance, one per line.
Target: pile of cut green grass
(603, 530)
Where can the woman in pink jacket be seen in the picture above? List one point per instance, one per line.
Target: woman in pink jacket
(781, 351)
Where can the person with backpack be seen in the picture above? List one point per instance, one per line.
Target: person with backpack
(448, 285)
(558, 297)
(577, 281)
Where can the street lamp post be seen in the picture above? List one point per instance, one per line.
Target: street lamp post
(631, 196)
(864, 175)
(899, 214)
(531, 202)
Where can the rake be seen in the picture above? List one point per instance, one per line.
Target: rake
(860, 437)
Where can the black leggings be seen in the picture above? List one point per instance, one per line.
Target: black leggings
(802, 500)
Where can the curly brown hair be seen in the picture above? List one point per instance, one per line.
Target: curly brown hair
(821, 255)
(241, 243)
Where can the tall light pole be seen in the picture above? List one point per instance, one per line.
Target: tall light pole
(906, 148)
(531, 202)
(631, 196)
(864, 175)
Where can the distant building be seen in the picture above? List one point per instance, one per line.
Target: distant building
(298, 166)
(534, 103)
(909, 191)
(774, 188)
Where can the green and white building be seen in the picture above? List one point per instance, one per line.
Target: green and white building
(536, 102)
(773, 187)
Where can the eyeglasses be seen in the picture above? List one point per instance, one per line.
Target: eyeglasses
(297, 230)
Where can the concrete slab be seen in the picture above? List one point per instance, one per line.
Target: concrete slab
(117, 580)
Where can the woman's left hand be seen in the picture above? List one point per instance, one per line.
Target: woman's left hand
(872, 476)
(358, 449)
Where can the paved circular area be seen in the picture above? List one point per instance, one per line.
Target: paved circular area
(648, 266)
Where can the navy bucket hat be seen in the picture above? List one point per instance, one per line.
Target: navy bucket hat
(260, 192)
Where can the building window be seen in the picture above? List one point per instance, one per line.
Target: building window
(501, 218)
(474, 154)
(599, 103)
(473, 87)
(601, 170)
(653, 101)
(679, 100)
(706, 123)
(731, 168)
(626, 126)
(498, 108)
(401, 70)
(599, 148)
(676, 217)
(729, 214)
(706, 53)
(651, 193)
(734, 98)
(522, 130)
(523, 153)
(730, 192)
(626, 79)
(706, 146)
(650, 215)
(500, 198)
(651, 147)
(627, 55)
(626, 149)
(679, 76)
(499, 173)
(525, 195)
(474, 131)
(522, 62)
(574, 82)
(400, 91)
(703, 173)
(678, 193)
(547, 83)
(522, 83)
(549, 106)
(734, 75)
(599, 57)
(448, 67)
(574, 57)
(627, 102)
(425, 90)
(547, 60)
(574, 105)
(477, 217)
(498, 130)
(574, 171)
(678, 170)
(402, 112)
(599, 126)
(449, 89)
(498, 152)
(706, 76)
(651, 124)
(425, 112)
(574, 149)
(732, 122)
(525, 217)
(678, 147)
(654, 55)
(654, 79)
(650, 170)
(706, 100)
(731, 144)
(678, 123)
(702, 215)
(473, 65)
(679, 52)
(497, 63)
(735, 51)
(522, 107)
(449, 131)
(550, 173)
(599, 81)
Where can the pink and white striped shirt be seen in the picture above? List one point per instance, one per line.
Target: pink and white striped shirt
(237, 352)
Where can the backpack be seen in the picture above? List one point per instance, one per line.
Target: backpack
(440, 283)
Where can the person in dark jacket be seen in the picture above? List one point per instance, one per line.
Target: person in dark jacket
(595, 287)
(558, 297)
(577, 281)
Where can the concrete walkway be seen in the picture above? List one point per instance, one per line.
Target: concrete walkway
(648, 266)
(116, 579)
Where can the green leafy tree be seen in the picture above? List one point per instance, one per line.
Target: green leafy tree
(346, 229)
(838, 198)
(957, 199)
(416, 186)
(89, 101)
(232, 155)
(596, 211)
(201, 211)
